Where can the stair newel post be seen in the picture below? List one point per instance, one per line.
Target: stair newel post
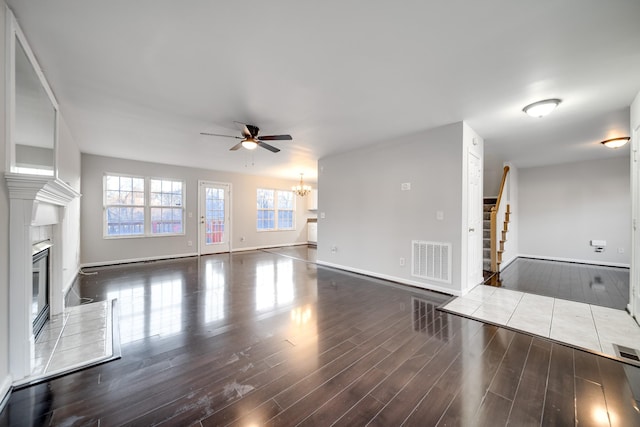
(493, 228)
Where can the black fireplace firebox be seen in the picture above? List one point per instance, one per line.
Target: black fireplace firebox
(41, 279)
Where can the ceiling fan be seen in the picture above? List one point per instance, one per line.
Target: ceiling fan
(251, 140)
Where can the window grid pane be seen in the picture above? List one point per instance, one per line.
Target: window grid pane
(124, 221)
(266, 209)
(124, 206)
(167, 214)
(275, 210)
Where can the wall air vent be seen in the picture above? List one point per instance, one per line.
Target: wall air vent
(431, 260)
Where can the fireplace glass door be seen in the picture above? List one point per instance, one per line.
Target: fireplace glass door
(40, 302)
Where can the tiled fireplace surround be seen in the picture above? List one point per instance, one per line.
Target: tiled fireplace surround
(37, 208)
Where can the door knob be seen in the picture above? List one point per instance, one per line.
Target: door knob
(471, 230)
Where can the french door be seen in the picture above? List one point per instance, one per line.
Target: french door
(214, 218)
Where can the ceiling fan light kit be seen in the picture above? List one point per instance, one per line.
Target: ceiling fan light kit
(542, 108)
(616, 142)
(249, 144)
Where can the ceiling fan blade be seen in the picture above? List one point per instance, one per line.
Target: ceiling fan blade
(275, 138)
(268, 147)
(236, 147)
(217, 134)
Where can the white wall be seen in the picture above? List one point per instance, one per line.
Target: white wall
(96, 250)
(372, 222)
(563, 207)
(5, 379)
(634, 291)
(493, 165)
(69, 171)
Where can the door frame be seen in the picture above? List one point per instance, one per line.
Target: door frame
(634, 276)
(228, 225)
(473, 267)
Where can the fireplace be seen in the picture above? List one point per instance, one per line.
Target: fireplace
(37, 207)
(41, 273)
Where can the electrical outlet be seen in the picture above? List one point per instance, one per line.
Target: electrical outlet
(242, 239)
(401, 262)
(321, 214)
(620, 250)
(439, 215)
(190, 243)
(405, 186)
(334, 249)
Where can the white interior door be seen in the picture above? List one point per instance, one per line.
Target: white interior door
(215, 221)
(474, 220)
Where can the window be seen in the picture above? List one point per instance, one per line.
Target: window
(124, 206)
(166, 207)
(137, 206)
(275, 210)
(285, 210)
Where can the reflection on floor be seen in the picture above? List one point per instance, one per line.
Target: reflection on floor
(590, 284)
(299, 252)
(257, 338)
(585, 326)
(82, 336)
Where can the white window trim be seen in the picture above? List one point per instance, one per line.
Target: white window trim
(147, 207)
(275, 211)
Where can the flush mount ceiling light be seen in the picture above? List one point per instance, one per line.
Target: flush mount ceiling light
(615, 142)
(542, 108)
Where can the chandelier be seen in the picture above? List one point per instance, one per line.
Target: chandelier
(301, 189)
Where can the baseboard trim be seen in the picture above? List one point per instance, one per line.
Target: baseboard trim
(400, 280)
(176, 256)
(5, 391)
(67, 288)
(575, 261)
(132, 260)
(507, 263)
(257, 248)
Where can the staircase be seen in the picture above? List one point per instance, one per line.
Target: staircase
(489, 203)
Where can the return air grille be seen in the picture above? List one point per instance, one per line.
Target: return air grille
(431, 260)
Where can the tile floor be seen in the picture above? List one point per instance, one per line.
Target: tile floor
(81, 336)
(585, 326)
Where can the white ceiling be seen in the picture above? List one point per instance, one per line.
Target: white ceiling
(141, 79)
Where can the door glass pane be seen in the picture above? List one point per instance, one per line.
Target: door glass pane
(214, 216)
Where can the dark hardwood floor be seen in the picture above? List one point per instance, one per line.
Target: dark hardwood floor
(262, 338)
(589, 284)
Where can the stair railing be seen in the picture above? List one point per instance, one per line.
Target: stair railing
(494, 222)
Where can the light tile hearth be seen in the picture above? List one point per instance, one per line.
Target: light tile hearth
(82, 336)
(581, 325)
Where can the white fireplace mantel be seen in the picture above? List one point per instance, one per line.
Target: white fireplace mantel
(40, 187)
(33, 200)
